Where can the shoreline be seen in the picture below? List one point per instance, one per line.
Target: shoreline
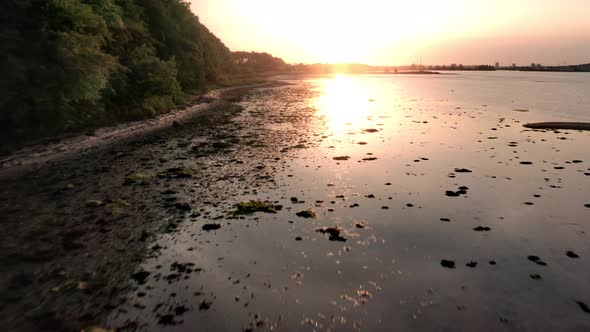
(77, 228)
(36, 155)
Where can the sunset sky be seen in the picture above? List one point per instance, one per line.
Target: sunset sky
(394, 32)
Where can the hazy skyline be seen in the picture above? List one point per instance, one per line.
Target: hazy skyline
(381, 32)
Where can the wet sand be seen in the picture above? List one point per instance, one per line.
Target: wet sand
(391, 208)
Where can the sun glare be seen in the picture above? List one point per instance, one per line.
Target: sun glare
(336, 32)
(395, 32)
(344, 103)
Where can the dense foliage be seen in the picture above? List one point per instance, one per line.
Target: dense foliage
(69, 64)
(256, 62)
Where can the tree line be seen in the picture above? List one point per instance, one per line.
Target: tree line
(70, 64)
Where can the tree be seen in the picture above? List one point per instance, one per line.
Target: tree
(70, 64)
(258, 62)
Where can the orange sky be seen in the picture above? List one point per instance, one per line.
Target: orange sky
(394, 32)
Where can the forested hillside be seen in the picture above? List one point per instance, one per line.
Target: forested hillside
(255, 62)
(70, 64)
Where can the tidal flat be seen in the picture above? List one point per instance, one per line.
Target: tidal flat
(337, 203)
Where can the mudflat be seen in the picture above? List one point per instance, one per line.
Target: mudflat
(336, 203)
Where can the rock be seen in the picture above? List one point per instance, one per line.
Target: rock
(211, 227)
(333, 232)
(140, 276)
(537, 260)
(167, 319)
(461, 191)
(447, 264)
(462, 170)
(536, 276)
(371, 130)
(482, 229)
(341, 158)
(307, 214)
(183, 206)
(583, 306)
(526, 163)
(559, 125)
(471, 264)
(571, 254)
(180, 310)
(205, 305)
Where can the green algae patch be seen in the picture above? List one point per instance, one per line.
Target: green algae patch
(70, 284)
(251, 207)
(176, 173)
(117, 206)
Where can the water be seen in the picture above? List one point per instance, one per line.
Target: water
(387, 276)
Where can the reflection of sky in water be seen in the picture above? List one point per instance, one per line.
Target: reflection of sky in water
(388, 276)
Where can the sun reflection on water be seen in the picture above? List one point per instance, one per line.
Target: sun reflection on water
(344, 103)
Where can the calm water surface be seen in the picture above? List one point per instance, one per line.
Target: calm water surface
(405, 137)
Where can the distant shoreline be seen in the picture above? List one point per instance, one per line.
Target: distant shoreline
(410, 72)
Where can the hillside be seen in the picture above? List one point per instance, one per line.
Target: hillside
(73, 64)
